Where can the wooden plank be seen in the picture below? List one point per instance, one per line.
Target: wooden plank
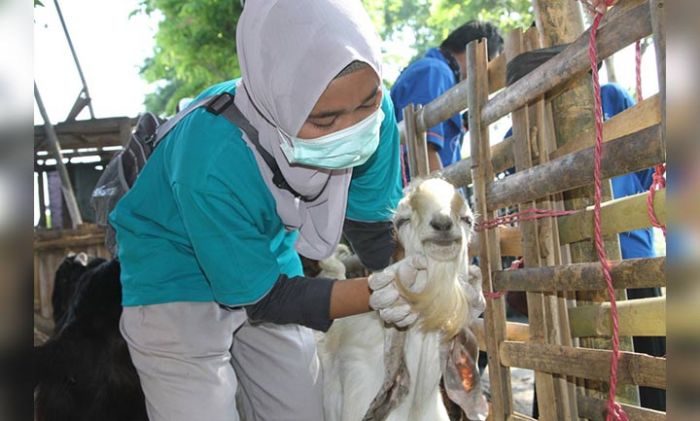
(459, 173)
(560, 21)
(73, 242)
(537, 303)
(417, 146)
(516, 416)
(92, 127)
(510, 240)
(455, 100)
(619, 215)
(627, 22)
(640, 317)
(489, 256)
(631, 273)
(627, 154)
(596, 409)
(645, 114)
(657, 10)
(638, 369)
(515, 331)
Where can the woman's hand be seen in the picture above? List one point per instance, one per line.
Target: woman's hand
(385, 296)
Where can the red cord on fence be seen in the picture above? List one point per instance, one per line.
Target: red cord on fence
(614, 410)
(659, 182)
(526, 215)
(638, 68)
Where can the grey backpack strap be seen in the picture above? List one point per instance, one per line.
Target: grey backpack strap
(234, 115)
(214, 104)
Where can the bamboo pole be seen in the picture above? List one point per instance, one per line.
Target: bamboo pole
(514, 332)
(516, 416)
(631, 153)
(643, 115)
(637, 369)
(417, 147)
(510, 240)
(627, 22)
(490, 257)
(559, 22)
(619, 215)
(55, 147)
(630, 273)
(538, 304)
(658, 24)
(595, 410)
(640, 317)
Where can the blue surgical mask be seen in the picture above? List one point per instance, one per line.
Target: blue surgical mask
(345, 148)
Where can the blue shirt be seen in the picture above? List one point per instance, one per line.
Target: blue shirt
(200, 224)
(421, 82)
(637, 243)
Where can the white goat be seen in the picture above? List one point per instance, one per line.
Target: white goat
(435, 220)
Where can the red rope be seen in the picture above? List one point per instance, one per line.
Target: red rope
(526, 215)
(638, 68)
(614, 411)
(659, 182)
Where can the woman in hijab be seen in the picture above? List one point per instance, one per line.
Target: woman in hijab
(217, 313)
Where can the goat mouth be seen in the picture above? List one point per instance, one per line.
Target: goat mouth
(443, 242)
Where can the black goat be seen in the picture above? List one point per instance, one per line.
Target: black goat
(84, 371)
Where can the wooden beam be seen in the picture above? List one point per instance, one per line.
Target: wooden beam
(637, 369)
(514, 332)
(627, 22)
(454, 100)
(631, 273)
(619, 215)
(98, 126)
(640, 317)
(645, 114)
(596, 409)
(417, 146)
(490, 256)
(627, 154)
(516, 416)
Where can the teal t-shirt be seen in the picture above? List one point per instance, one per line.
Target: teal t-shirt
(200, 224)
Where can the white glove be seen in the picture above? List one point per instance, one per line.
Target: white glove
(472, 283)
(385, 297)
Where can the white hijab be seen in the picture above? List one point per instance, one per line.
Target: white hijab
(289, 51)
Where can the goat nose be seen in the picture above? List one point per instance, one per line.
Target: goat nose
(441, 223)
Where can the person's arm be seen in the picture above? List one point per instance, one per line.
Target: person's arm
(375, 191)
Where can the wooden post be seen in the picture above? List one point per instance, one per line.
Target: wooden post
(559, 22)
(55, 147)
(546, 324)
(490, 256)
(42, 199)
(658, 25)
(417, 146)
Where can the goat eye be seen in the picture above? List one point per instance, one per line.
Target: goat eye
(400, 222)
(467, 219)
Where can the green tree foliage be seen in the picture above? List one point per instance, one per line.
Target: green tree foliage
(195, 45)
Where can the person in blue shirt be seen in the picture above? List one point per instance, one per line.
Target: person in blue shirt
(217, 313)
(435, 73)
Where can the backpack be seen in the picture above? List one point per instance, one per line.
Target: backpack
(123, 169)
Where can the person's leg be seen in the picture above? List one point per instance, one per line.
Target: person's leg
(182, 354)
(279, 373)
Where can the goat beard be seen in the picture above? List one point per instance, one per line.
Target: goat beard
(442, 304)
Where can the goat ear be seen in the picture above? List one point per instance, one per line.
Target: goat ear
(82, 258)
